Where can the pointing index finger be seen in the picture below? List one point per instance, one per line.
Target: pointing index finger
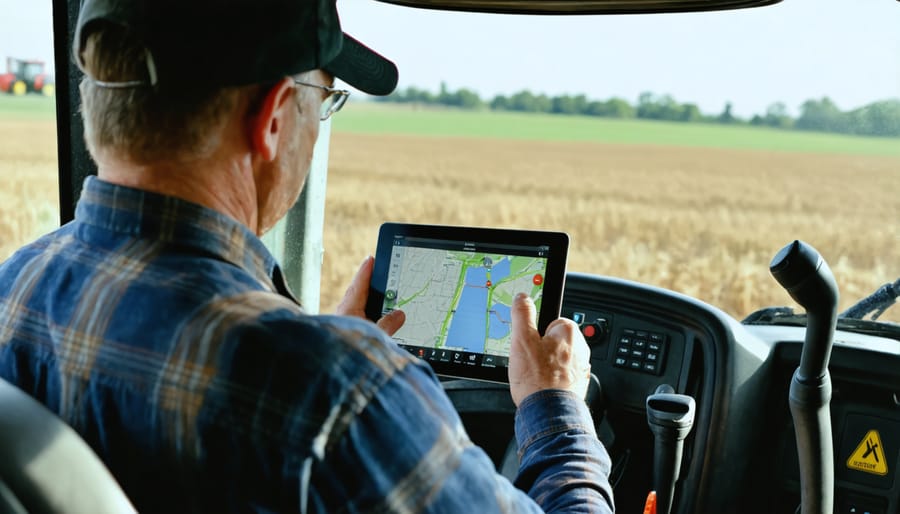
(524, 316)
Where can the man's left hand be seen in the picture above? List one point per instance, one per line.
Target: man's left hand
(354, 301)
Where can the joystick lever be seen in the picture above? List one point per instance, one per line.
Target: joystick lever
(805, 275)
(670, 417)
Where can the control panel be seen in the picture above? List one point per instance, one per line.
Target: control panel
(634, 348)
(640, 350)
(630, 355)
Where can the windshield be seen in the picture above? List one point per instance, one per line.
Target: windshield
(681, 150)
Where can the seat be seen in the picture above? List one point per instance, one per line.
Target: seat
(46, 467)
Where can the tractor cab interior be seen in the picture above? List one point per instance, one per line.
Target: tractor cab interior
(775, 412)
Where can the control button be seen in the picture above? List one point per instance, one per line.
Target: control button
(578, 318)
(625, 340)
(502, 362)
(650, 367)
(488, 362)
(596, 332)
(656, 338)
(651, 356)
(457, 357)
(444, 356)
(639, 343)
(623, 350)
(621, 362)
(420, 352)
(628, 332)
(637, 354)
(472, 359)
(653, 347)
(641, 333)
(634, 364)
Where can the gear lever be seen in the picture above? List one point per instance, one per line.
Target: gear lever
(800, 269)
(671, 417)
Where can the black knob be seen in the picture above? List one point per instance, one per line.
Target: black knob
(670, 417)
(805, 275)
(596, 332)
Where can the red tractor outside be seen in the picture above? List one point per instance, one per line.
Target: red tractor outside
(26, 76)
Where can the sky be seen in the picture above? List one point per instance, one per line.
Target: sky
(848, 50)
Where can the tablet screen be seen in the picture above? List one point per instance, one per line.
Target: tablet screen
(456, 286)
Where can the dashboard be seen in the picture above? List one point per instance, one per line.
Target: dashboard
(741, 454)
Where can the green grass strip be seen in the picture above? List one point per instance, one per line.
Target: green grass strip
(27, 107)
(373, 118)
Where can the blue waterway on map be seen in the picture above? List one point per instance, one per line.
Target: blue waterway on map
(500, 270)
(467, 326)
(500, 321)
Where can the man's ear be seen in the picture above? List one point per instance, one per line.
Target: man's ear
(267, 126)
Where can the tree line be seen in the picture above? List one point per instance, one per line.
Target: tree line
(880, 118)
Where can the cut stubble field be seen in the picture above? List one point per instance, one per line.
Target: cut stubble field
(701, 221)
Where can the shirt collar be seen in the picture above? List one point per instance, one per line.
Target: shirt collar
(168, 219)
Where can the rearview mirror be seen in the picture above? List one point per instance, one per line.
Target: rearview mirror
(582, 6)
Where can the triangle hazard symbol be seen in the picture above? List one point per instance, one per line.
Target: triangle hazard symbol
(869, 455)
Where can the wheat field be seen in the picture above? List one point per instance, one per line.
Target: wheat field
(29, 191)
(705, 222)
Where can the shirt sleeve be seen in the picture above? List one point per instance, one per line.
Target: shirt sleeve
(563, 465)
(407, 451)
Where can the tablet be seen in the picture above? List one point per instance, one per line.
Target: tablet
(456, 286)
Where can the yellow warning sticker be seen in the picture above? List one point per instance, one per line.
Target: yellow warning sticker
(869, 455)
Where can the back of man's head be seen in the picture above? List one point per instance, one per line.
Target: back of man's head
(141, 123)
(162, 76)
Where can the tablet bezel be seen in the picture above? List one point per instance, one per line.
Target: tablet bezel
(557, 244)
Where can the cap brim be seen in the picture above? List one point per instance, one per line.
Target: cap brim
(363, 68)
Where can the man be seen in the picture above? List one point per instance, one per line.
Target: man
(158, 325)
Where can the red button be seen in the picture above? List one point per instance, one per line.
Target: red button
(590, 331)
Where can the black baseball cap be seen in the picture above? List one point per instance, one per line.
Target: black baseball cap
(196, 44)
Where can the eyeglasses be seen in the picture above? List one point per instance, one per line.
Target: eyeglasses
(332, 103)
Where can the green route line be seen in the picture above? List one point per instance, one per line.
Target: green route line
(524, 272)
(534, 289)
(456, 294)
(487, 312)
(467, 262)
(401, 303)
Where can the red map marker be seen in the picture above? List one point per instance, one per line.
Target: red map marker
(538, 279)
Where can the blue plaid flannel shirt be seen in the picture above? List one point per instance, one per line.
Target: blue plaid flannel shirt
(162, 332)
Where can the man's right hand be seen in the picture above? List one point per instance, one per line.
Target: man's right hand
(559, 360)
